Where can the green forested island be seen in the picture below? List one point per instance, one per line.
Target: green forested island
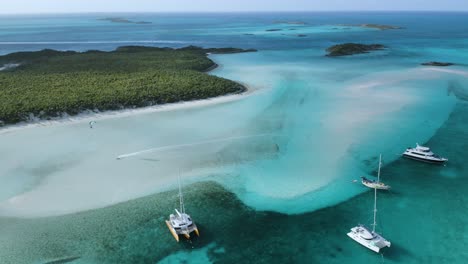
(49, 83)
(352, 48)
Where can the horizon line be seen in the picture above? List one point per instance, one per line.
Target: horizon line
(232, 12)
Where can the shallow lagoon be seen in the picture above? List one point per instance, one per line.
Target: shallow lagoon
(293, 145)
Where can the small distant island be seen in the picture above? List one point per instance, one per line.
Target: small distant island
(123, 20)
(49, 83)
(437, 63)
(381, 27)
(352, 48)
(375, 26)
(290, 22)
(218, 50)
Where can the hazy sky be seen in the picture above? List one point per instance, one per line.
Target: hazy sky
(67, 6)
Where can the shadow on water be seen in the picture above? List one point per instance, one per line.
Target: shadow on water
(63, 260)
(397, 253)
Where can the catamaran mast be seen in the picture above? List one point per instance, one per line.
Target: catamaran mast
(380, 164)
(375, 195)
(181, 197)
(375, 210)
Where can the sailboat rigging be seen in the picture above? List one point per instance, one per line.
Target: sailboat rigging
(181, 223)
(370, 239)
(375, 184)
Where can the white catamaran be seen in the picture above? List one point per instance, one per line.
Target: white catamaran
(375, 184)
(369, 238)
(181, 223)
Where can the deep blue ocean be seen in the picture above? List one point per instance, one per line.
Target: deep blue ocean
(270, 176)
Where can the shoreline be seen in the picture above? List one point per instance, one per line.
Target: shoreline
(91, 115)
(170, 89)
(211, 68)
(88, 116)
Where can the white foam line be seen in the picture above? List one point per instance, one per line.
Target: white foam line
(459, 72)
(86, 42)
(188, 145)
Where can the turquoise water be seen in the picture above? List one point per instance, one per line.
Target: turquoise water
(272, 171)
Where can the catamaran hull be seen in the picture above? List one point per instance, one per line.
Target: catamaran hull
(433, 161)
(366, 243)
(363, 242)
(172, 230)
(175, 234)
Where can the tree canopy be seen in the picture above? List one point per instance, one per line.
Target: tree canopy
(48, 83)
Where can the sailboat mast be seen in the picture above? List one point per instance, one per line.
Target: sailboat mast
(375, 210)
(375, 196)
(181, 197)
(380, 164)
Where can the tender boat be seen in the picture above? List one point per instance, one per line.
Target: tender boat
(369, 238)
(375, 184)
(424, 154)
(181, 223)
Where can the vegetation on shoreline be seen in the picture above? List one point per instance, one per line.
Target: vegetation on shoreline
(48, 83)
(352, 48)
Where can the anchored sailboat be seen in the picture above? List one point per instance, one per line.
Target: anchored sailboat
(181, 223)
(375, 184)
(364, 236)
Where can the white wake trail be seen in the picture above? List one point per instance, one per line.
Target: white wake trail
(123, 156)
(458, 72)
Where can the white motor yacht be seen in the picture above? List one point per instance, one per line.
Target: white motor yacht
(424, 154)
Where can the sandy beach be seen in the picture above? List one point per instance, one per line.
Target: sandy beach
(90, 115)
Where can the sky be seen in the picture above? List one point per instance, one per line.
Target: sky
(76, 6)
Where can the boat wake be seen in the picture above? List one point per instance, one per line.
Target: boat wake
(146, 151)
(457, 72)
